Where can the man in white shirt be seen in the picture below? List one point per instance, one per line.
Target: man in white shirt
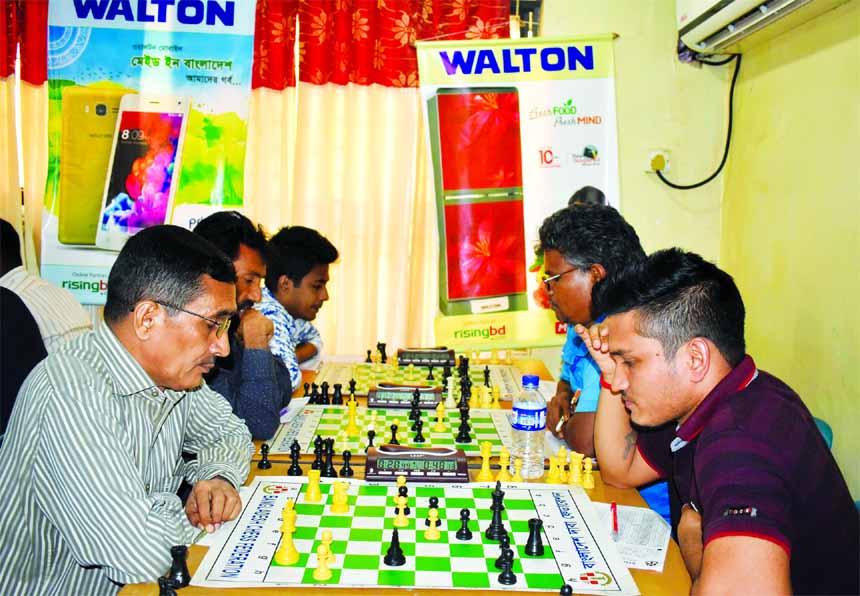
(58, 314)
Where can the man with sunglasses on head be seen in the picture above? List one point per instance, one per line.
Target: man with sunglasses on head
(256, 383)
(581, 244)
(91, 461)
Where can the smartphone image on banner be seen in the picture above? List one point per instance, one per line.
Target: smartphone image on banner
(86, 135)
(144, 167)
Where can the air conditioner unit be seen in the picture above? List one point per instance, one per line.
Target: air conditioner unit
(718, 26)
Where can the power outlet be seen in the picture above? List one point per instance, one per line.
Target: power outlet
(658, 159)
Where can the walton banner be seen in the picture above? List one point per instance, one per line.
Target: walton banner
(515, 127)
(147, 123)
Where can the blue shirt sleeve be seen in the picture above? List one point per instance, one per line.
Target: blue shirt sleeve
(590, 387)
(567, 354)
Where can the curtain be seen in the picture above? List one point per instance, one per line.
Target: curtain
(335, 142)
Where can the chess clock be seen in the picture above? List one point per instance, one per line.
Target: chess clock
(439, 464)
(426, 357)
(393, 395)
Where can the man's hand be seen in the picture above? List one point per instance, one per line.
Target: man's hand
(690, 540)
(558, 408)
(211, 503)
(596, 339)
(255, 329)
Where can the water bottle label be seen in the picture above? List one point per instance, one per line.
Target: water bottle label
(528, 418)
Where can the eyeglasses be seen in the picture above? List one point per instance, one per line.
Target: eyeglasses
(220, 327)
(548, 280)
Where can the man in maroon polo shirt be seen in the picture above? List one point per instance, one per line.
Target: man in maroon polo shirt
(765, 507)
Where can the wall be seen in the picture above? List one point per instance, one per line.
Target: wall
(661, 103)
(791, 217)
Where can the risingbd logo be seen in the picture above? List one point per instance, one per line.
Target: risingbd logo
(487, 332)
(81, 285)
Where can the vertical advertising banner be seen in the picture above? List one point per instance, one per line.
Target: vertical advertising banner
(515, 127)
(147, 124)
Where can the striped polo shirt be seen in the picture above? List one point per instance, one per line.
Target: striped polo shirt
(90, 466)
(58, 314)
(752, 462)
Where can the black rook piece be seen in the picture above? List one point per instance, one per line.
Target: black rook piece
(464, 533)
(264, 463)
(534, 545)
(394, 557)
(337, 398)
(178, 574)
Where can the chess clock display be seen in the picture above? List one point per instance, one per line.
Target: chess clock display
(393, 395)
(387, 462)
(426, 357)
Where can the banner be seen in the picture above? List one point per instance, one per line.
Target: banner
(147, 124)
(515, 127)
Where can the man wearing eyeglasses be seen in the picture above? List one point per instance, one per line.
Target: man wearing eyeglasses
(91, 460)
(581, 244)
(251, 378)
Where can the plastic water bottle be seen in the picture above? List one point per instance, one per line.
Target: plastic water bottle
(528, 423)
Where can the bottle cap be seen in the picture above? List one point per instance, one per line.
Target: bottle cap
(531, 380)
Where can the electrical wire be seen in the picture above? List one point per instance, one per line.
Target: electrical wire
(728, 134)
(718, 62)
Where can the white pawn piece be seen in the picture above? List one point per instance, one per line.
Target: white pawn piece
(485, 475)
(562, 461)
(351, 427)
(552, 474)
(518, 470)
(432, 533)
(322, 572)
(485, 396)
(400, 520)
(327, 539)
(439, 427)
(494, 357)
(312, 493)
(588, 476)
(497, 395)
(504, 464)
(450, 403)
(339, 499)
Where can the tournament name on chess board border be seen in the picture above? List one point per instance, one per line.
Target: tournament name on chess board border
(579, 551)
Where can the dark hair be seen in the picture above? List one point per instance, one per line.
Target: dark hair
(293, 252)
(587, 195)
(679, 296)
(163, 263)
(589, 234)
(228, 229)
(10, 247)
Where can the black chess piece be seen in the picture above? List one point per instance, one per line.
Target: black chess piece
(323, 400)
(463, 435)
(430, 376)
(370, 435)
(498, 496)
(328, 470)
(419, 438)
(337, 398)
(352, 385)
(464, 533)
(507, 577)
(346, 471)
(315, 394)
(178, 575)
(295, 468)
(394, 440)
(394, 556)
(534, 545)
(368, 360)
(402, 491)
(504, 544)
(264, 463)
(486, 376)
(496, 528)
(318, 454)
(506, 552)
(307, 390)
(164, 588)
(434, 504)
(381, 347)
(446, 372)
(566, 590)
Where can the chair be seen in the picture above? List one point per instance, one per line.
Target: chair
(826, 431)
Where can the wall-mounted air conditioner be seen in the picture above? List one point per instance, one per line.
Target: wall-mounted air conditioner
(718, 26)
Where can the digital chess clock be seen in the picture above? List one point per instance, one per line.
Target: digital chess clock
(393, 395)
(439, 464)
(426, 357)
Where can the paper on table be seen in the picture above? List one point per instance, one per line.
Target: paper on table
(296, 405)
(643, 536)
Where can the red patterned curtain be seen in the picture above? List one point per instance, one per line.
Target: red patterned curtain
(24, 21)
(362, 41)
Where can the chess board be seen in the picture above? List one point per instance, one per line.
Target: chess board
(577, 550)
(331, 421)
(507, 378)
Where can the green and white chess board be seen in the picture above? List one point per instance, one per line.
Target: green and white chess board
(577, 550)
(506, 377)
(332, 421)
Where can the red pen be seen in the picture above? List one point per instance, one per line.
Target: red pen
(613, 508)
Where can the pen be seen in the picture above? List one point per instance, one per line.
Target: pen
(574, 399)
(613, 508)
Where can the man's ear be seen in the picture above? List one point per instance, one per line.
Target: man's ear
(285, 284)
(146, 316)
(698, 358)
(598, 272)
